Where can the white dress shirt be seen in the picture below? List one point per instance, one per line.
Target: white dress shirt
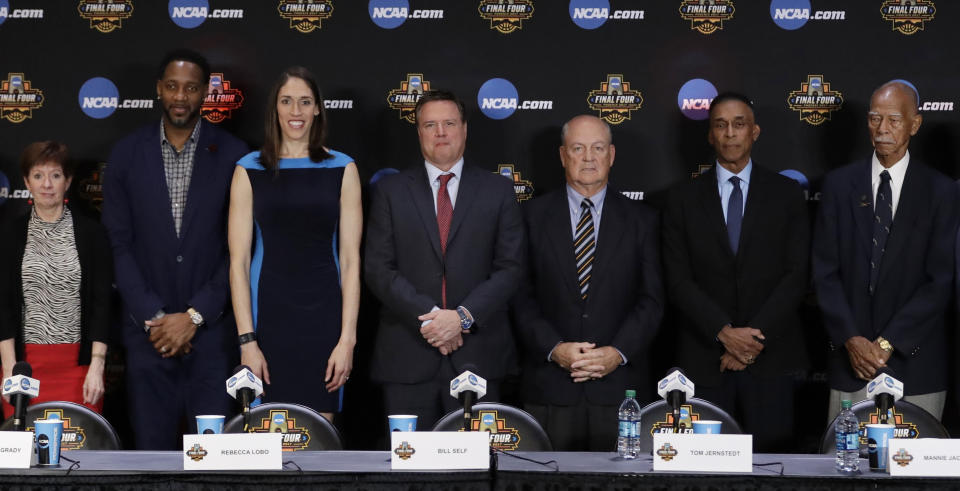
(453, 185)
(897, 172)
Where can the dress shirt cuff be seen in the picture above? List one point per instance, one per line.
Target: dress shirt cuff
(623, 357)
(424, 323)
(550, 354)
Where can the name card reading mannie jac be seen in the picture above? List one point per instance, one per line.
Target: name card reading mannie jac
(233, 452)
(924, 457)
(702, 453)
(439, 450)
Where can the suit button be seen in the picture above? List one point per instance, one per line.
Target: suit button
(585, 316)
(179, 259)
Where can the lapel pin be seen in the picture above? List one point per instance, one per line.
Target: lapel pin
(863, 201)
(212, 147)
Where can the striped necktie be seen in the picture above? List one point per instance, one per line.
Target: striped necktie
(882, 221)
(585, 246)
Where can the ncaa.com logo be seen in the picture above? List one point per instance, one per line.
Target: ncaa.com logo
(99, 98)
(694, 98)
(191, 13)
(498, 99)
(7, 12)
(390, 14)
(591, 14)
(794, 14)
(6, 192)
(927, 106)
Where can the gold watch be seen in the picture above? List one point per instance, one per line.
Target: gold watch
(884, 344)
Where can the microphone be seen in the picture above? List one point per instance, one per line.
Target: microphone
(675, 388)
(467, 388)
(21, 388)
(885, 390)
(244, 386)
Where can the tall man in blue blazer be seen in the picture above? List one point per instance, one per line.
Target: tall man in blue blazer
(736, 250)
(594, 297)
(166, 192)
(883, 261)
(444, 254)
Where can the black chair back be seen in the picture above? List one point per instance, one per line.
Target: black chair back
(657, 417)
(912, 422)
(303, 428)
(83, 429)
(510, 428)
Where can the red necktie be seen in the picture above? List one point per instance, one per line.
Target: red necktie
(444, 217)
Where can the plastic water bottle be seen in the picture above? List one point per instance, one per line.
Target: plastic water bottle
(628, 434)
(848, 440)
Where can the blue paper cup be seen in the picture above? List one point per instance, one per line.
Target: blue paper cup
(209, 423)
(47, 435)
(706, 426)
(878, 445)
(402, 422)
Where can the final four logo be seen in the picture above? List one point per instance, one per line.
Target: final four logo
(305, 15)
(904, 429)
(18, 98)
(908, 16)
(706, 16)
(615, 99)
(221, 99)
(521, 187)
(196, 453)
(501, 437)
(105, 15)
(279, 421)
(506, 16)
(73, 438)
(405, 98)
(815, 101)
(687, 417)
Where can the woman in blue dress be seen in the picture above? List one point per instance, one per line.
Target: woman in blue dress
(294, 236)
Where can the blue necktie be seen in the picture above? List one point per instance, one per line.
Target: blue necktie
(882, 221)
(734, 214)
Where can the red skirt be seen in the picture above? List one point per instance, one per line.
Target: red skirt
(61, 379)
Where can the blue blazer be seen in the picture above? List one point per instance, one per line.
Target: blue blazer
(154, 268)
(916, 274)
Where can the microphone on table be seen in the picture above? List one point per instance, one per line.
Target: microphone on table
(467, 388)
(244, 386)
(884, 390)
(21, 388)
(675, 388)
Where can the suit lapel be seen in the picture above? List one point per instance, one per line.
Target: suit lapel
(466, 195)
(861, 202)
(154, 179)
(611, 230)
(422, 195)
(712, 209)
(204, 166)
(560, 234)
(907, 211)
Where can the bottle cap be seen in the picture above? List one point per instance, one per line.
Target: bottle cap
(845, 404)
(631, 393)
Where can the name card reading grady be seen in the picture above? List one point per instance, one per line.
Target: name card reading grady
(702, 453)
(439, 450)
(232, 452)
(924, 457)
(16, 449)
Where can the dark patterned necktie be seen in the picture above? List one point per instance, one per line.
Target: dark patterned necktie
(444, 217)
(734, 214)
(584, 247)
(882, 221)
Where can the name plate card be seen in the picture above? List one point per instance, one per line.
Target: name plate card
(439, 450)
(16, 449)
(702, 452)
(233, 452)
(924, 457)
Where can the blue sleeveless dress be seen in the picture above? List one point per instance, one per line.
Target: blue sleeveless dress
(295, 274)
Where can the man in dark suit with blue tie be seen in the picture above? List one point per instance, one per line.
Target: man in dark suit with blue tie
(593, 299)
(735, 251)
(883, 261)
(166, 191)
(444, 254)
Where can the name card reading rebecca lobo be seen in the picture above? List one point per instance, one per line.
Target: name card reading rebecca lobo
(439, 450)
(702, 452)
(233, 452)
(16, 448)
(924, 457)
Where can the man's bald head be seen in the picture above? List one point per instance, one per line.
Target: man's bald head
(587, 119)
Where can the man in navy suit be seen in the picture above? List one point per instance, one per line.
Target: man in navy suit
(883, 261)
(594, 297)
(735, 252)
(444, 254)
(165, 207)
